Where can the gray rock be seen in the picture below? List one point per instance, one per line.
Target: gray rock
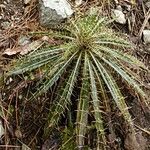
(9, 81)
(27, 1)
(5, 24)
(93, 11)
(146, 36)
(119, 7)
(148, 50)
(23, 40)
(2, 131)
(78, 2)
(119, 16)
(148, 4)
(53, 12)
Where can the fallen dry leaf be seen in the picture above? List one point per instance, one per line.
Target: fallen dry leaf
(32, 46)
(24, 49)
(10, 51)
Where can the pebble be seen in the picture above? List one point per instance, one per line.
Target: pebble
(147, 4)
(119, 16)
(2, 131)
(54, 12)
(23, 40)
(5, 24)
(9, 81)
(146, 36)
(78, 2)
(27, 2)
(93, 11)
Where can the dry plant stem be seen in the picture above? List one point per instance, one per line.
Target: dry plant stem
(19, 87)
(144, 130)
(147, 17)
(143, 7)
(34, 138)
(10, 146)
(16, 111)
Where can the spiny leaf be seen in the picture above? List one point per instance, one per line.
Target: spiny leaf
(54, 75)
(117, 54)
(116, 41)
(102, 90)
(83, 105)
(114, 90)
(30, 66)
(127, 78)
(35, 60)
(96, 106)
(68, 139)
(64, 99)
(44, 53)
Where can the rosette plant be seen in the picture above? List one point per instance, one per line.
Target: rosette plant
(91, 58)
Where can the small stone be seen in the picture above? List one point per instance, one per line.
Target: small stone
(148, 4)
(26, 2)
(146, 36)
(2, 6)
(9, 81)
(20, 97)
(54, 12)
(5, 2)
(23, 40)
(119, 16)
(119, 7)
(5, 24)
(18, 133)
(1, 129)
(78, 2)
(93, 10)
(128, 7)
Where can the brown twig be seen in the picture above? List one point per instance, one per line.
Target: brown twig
(144, 130)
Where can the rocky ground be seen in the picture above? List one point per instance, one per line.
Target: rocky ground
(19, 19)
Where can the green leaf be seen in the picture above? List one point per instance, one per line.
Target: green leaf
(97, 111)
(68, 139)
(127, 78)
(54, 75)
(116, 41)
(114, 90)
(117, 54)
(83, 107)
(30, 66)
(61, 102)
(36, 60)
(102, 90)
